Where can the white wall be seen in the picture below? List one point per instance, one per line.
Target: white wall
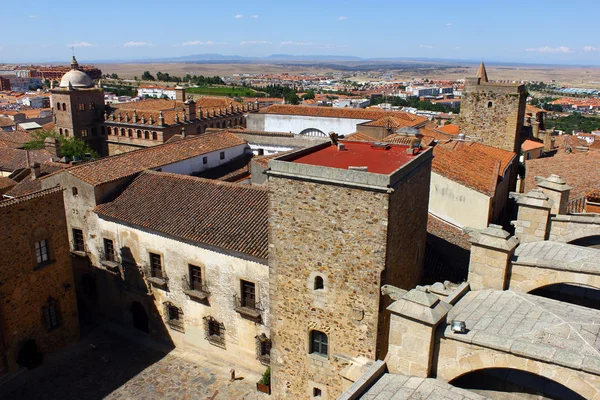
(222, 273)
(187, 167)
(298, 123)
(458, 204)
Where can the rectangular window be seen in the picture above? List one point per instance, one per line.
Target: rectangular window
(78, 242)
(319, 343)
(41, 251)
(204, 160)
(155, 266)
(248, 294)
(50, 316)
(222, 155)
(84, 132)
(214, 328)
(195, 278)
(174, 316)
(109, 250)
(214, 331)
(173, 313)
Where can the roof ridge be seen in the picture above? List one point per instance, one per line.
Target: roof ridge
(200, 179)
(29, 196)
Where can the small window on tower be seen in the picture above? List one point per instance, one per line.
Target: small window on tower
(490, 104)
(319, 283)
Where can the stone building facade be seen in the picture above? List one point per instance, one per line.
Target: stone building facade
(38, 308)
(336, 236)
(493, 112)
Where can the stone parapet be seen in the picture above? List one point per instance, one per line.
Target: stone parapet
(414, 319)
(558, 191)
(533, 219)
(491, 251)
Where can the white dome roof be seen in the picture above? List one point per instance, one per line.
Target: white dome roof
(77, 79)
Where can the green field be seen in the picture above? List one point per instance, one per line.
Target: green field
(233, 91)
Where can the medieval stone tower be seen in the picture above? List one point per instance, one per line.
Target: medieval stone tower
(336, 235)
(79, 107)
(493, 112)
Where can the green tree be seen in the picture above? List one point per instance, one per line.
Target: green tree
(69, 146)
(292, 98)
(147, 76)
(114, 76)
(309, 95)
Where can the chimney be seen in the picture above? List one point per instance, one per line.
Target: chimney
(35, 170)
(183, 132)
(190, 110)
(180, 94)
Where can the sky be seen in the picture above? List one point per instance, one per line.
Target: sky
(527, 31)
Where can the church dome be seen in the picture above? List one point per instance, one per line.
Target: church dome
(75, 78)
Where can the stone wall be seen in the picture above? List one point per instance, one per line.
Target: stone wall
(494, 113)
(356, 240)
(27, 286)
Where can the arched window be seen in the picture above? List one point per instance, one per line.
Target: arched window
(319, 343)
(139, 134)
(122, 131)
(75, 191)
(82, 107)
(319, 283)
(130, 132)
(66, 132)
(490, 104)
(92, 106)
(64, 107)
(146, 135)
(60, 131)
(58, 106)
(154, 136)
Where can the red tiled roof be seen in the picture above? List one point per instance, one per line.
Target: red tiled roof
(111, 168)
(361, 137)
(214, 213)
(330, 112)
(505, 157)
(581, 170)
(474, 169)
(450, 129)
(6, 183)
(447, 231)
(5, 122)
(392, 122)
(529, 145)
(30, 196)
(529, 109)
(12, 159)
(29, 185)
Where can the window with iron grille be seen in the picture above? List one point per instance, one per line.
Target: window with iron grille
(248, 294)
(41, 251)
(263, 349)
(78, 242)
(155, 266)
(109, 250)
(174, 316)
(214, 331)
(319, 343)
(50, 314)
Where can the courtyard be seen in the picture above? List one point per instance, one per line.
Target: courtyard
(108, 364)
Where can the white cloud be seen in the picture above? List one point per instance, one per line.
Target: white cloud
(34, 16)
(449, 24)
(200, 43)
(548, 49)
(426, 46)
(136, 44)
(254, 16)
(591, 49)
(342, 17)
(251, 42)
(290, 43)
(238, 16)
(80, 44)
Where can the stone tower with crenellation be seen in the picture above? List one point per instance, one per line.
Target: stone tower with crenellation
(342, 224)
(492, 112)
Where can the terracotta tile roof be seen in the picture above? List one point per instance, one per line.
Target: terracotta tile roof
(255, 133)
(564, 141)
(16, 138)
(111, 168)
(30, 196)
(6, 122)
(389, 122)
(593, 195)
(505, 157)
(447, 231)
(12, 159)
(6, 183)
(150, 105)
(529, 109)
(397, 139)
(220, 214)
(355, 113)
(474, 169)
(531, 145)
(581, 170)
(450, 129)
(29, 185)
(362, 137)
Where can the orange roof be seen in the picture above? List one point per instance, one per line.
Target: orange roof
(533, 109)
(529, 145)
(505, 157)
(330, 112)
(361, 137)
(450, 129)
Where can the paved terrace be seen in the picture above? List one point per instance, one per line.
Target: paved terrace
(402, 387)
(530, 326)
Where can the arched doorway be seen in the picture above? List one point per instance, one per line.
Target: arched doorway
(513, 384)
(140, 318)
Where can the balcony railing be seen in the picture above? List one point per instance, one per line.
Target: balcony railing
(196, 290)
(247, 307)
(576, 205)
